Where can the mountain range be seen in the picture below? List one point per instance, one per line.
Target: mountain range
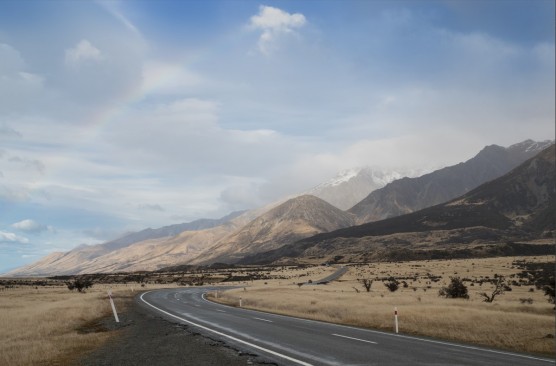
(518, 206)
(300, 225)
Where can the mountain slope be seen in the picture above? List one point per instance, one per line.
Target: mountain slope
(412, 194)
(516, 206)
(296, 218)
(122, 251)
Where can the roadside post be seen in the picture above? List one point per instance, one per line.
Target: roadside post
(396, 318)
(240, 302)
(113, 306)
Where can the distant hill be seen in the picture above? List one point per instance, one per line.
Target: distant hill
(294, 219)
(515, 207)
(412, 194)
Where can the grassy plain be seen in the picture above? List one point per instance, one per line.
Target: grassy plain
(518, 320)
(53, 326)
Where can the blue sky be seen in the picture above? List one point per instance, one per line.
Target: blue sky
(121, 115)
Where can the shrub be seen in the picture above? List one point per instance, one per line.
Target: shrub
(549, 291)
(392, 284)
(81, 284)
(455, 290)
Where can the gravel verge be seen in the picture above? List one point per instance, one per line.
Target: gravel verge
(144, 338)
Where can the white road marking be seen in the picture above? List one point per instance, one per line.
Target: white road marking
(294, 360)
(264, 320)
(356, 339)
(222, 311)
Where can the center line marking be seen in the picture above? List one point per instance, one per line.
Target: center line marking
(222, 311)
(264, 320)
(356, 339)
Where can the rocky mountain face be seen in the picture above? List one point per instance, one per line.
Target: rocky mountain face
(351, 186)
(412, 194)
(518, 206)
(296, 218)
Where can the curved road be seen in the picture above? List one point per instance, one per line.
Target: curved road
(293, 341)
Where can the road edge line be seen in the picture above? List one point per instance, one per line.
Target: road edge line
(226, 335)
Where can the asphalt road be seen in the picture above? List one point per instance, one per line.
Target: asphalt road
(292, 341)
(333, 277)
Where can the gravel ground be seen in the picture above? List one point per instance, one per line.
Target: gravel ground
(144, 338)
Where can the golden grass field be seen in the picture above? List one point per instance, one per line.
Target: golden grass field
(53, 326)
(506, 323)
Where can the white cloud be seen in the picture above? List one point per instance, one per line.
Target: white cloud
(82, 52)
(274, 23)
(165, 78)
(6, 237)
(31, 226)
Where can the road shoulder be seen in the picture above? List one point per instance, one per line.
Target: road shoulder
(145, 338)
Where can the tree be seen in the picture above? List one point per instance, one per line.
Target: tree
(367, 284)
(500, 286)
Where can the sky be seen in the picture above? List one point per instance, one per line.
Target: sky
(116, 116)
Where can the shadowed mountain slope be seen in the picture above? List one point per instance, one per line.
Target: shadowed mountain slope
(412, 194)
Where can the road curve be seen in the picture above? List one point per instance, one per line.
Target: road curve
(293, 341)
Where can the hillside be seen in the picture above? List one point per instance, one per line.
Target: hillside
(133, 249)
(515, 207)
(412, 194)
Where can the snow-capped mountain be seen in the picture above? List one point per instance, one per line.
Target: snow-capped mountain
(352, 185)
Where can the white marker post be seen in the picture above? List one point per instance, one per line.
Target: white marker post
(396, 318)
(240, 302)
(113, 306)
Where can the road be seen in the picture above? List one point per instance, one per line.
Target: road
(333, 277)
(293, 341)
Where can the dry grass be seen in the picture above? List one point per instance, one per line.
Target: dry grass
(53, 326)
(506, 323)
